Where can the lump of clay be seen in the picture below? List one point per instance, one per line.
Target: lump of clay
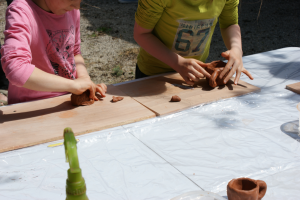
(116, 99)
(82, 100)
(214, 69)
(175, 98)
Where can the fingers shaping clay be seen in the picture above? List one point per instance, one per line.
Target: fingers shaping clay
(82, 99)
(214, 69)
(116, 99)
(246, 188)
(175, 98)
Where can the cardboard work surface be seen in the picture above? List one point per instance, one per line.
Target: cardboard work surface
(294, 87)
(42, 121)
(155, 93)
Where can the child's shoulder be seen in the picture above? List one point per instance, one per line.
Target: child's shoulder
(75, 12)
(20, 4)
(25, 6)
(31, 10)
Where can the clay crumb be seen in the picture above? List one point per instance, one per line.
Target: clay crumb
(116, 99)
(175, 98)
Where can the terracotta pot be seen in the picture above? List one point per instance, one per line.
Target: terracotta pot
(246, 189)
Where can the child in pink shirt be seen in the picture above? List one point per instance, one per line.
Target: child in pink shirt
(41, 53)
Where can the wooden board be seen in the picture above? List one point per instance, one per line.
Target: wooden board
(294, 87)
(155, 93)
(42, 121)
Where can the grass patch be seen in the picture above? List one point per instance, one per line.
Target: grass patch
(93, 35)
(104, 30)
(117, 71)
(100, 31)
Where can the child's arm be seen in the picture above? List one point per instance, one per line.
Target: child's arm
(231, 34)
(43, 81)
(189, 69)
(81, 72)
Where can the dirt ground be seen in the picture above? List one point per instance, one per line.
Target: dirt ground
(110, 51)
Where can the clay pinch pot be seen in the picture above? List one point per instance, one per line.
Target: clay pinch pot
(246, 189)
(82, 99)
(175, 98)
(214, 69)
(116, 99)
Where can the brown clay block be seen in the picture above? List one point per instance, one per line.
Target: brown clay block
(175, 98)
(116, 99)
(82, 99)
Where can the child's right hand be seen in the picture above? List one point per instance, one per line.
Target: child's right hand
(191, 70)
(81, 84)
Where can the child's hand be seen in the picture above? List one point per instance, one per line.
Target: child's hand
(234, 64)
(101, 88)
(191, 70)
(84, 83)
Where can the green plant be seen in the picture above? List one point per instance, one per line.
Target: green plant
(103, 29)
(100, 31)
(93, 35)
(117, 71)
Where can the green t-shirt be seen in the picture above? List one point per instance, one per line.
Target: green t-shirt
(184, 26)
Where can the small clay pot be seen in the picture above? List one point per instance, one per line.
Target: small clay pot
(214, 69)
(175, 98)
(116, 99)
(246, 189)
(82, 100)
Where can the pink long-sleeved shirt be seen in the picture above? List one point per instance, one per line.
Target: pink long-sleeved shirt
(36, 38)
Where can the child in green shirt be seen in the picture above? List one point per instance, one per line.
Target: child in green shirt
(176, 35)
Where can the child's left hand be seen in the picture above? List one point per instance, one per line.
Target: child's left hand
(234, 64)
(102, 89)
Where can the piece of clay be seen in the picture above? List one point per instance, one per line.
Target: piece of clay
(82, 99)
(246, 188)
(175, 98)
(214, 69)
(116, 99)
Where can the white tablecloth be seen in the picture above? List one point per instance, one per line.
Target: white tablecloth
(201, 148)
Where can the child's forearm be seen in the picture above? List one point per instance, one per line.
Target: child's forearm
(232, 37)
(43, 81)
(155, 47)
(80, 66)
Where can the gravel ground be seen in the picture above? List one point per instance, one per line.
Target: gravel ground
(110, 51)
